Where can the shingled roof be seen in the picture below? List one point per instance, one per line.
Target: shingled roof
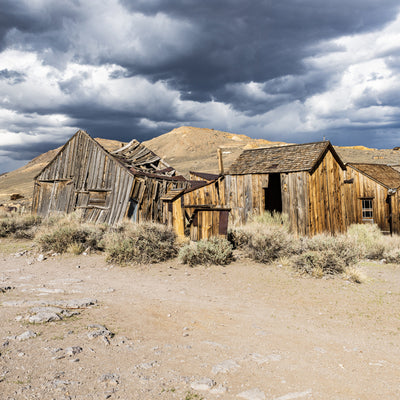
(383, 174)
(291, 158)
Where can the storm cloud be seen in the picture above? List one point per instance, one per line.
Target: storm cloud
(290, 70)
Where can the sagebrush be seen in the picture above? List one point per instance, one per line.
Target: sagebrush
(140, 243)
(215, 250)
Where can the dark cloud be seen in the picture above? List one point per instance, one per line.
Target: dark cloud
(164, 62)
(12, 77)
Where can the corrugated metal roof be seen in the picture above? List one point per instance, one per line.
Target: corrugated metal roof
(384, 174)
(291, 158)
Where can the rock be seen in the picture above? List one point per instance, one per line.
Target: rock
(259, 359)
(71, 351)
(109, 379)
(218, 390)
(252, 394)
(4, 289)
(147, 365)
(203, 384)
(295, 395)
(26, 335)
(225, 366)
(41, 257)
(102, 332)
(48, 314)
(82, 303)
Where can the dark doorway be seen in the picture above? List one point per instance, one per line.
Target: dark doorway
(273, 195)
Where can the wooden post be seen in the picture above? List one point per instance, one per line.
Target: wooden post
(220, 163)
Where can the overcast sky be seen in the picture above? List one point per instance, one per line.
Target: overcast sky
(291, 70)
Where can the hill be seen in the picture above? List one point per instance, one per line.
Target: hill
(186, 149)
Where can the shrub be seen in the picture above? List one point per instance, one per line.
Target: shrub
(140, 243)
(213, 251)
(264, 243)
(275, 219)
(19, 226)
(74, 238)
(369, 238)
(327, 255)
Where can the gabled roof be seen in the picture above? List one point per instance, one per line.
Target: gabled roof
(136, 158)
(383, 174)
(291, 158)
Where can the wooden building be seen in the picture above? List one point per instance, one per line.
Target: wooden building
(304, 181)
(108, 187)
(372, 196)
(199, 210)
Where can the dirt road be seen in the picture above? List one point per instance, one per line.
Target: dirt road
(168, 331)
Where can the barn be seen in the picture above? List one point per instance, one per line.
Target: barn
(305, 181)
(107, 187)
(372, 195)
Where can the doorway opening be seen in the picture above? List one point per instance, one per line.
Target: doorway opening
(273, 194)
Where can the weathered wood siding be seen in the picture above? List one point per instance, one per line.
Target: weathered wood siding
(244, 194)
(294, 192)
(363, 187)
(313, 201)
(147, 192)
(201, 211)
(74, 179)
(326, 202)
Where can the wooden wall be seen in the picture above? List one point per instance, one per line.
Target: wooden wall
(327, 207)
(244, 194)
(313, 201)
(365, 187)
(201, 211)
(85, 176)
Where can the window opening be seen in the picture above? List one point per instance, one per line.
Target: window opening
(367, 211)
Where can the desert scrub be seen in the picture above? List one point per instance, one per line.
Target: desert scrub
(19, 226)
(264, 243)
(140, 243)
(71, 237)
(327, 255)
(271, 218)
(216, 251)
(370, 240)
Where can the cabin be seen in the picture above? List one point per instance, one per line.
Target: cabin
(198, 211)
(305, 181)
(107, 186)
(372, 195)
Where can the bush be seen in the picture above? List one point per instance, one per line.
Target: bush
(73, 238)
(327, 255)
(275, 219)
(19, 226)
(370, 240)
(140, 243)
(264, 243)
(216, 251)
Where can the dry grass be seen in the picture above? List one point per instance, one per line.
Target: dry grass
(216, 251)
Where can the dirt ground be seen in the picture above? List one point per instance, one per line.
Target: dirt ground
(244, 331)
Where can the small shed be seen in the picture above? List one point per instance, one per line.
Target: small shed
(107, 187)
(372, 195)
(198, 211)
(305, 181)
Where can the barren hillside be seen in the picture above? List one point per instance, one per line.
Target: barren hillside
(186, 149)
